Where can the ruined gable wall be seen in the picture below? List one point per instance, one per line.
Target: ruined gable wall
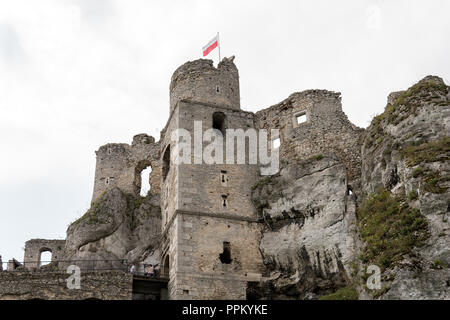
(120, 165)
(327, 129)
(34, 248)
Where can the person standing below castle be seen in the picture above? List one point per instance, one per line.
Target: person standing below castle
(133, 269)
(150, 271)
(1, 263)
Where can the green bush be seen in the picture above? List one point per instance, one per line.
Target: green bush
(390, 228)
(413, 195)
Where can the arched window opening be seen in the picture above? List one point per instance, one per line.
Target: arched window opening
(349, 190)
(166, 162)
(145, 181)
(225, 256)
(166, 267)
(219, 121)
(45, 258)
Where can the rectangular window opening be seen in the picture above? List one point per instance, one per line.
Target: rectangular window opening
(276, 143)
(300, 118)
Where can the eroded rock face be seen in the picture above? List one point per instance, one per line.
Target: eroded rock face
(309, 240)
(406, 150)
(117, 226)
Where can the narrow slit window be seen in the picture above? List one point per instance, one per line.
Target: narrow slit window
(224, 200)
(223, 178)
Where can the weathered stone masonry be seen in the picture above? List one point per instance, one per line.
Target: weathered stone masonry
(210, 229)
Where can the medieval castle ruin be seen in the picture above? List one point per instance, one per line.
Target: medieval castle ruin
(224, 231)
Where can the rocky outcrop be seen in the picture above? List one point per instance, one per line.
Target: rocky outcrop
(117, 226)
(406, 151)
(309, 240)
(318, 238)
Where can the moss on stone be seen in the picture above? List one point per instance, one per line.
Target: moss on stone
(318, 157)
(390, 229)
(261, 182)
(347, 293)
(438, 264)
(92, 215)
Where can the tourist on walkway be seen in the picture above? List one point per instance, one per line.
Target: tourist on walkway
(133, 269)
(150, 271)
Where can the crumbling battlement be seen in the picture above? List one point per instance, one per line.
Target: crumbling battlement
(34, 248)
(325, 128)
(120, 165)
(200, 81)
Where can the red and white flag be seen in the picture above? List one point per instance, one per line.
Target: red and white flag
(212, 44)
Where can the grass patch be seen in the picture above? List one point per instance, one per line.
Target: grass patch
(318, 157)
(433, 180)
(426, 152)
(390, 229)
(347, 293)
(413, 195)
(438, 264)
(261, 182)
(92, 215)
(417, 172)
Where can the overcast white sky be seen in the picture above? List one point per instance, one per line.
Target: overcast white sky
(75, 75)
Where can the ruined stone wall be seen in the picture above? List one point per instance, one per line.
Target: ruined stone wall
(120, 165)
(169, 183)
(34, 248)
(200, 81)
(197, 271)
(53, 286)
(327, 129)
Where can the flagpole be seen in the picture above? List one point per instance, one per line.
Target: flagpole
(218, 40)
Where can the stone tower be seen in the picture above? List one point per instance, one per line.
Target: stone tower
(209, 225)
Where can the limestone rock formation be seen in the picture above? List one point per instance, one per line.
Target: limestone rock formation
(309, 240)
(406, 151)
(117, 226)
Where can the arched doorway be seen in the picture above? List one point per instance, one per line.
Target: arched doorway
(45, 257)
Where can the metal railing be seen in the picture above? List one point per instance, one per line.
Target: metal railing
(61, 265)
(141, 269)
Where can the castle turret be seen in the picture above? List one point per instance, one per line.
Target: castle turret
(200, 81)
(210, 226)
